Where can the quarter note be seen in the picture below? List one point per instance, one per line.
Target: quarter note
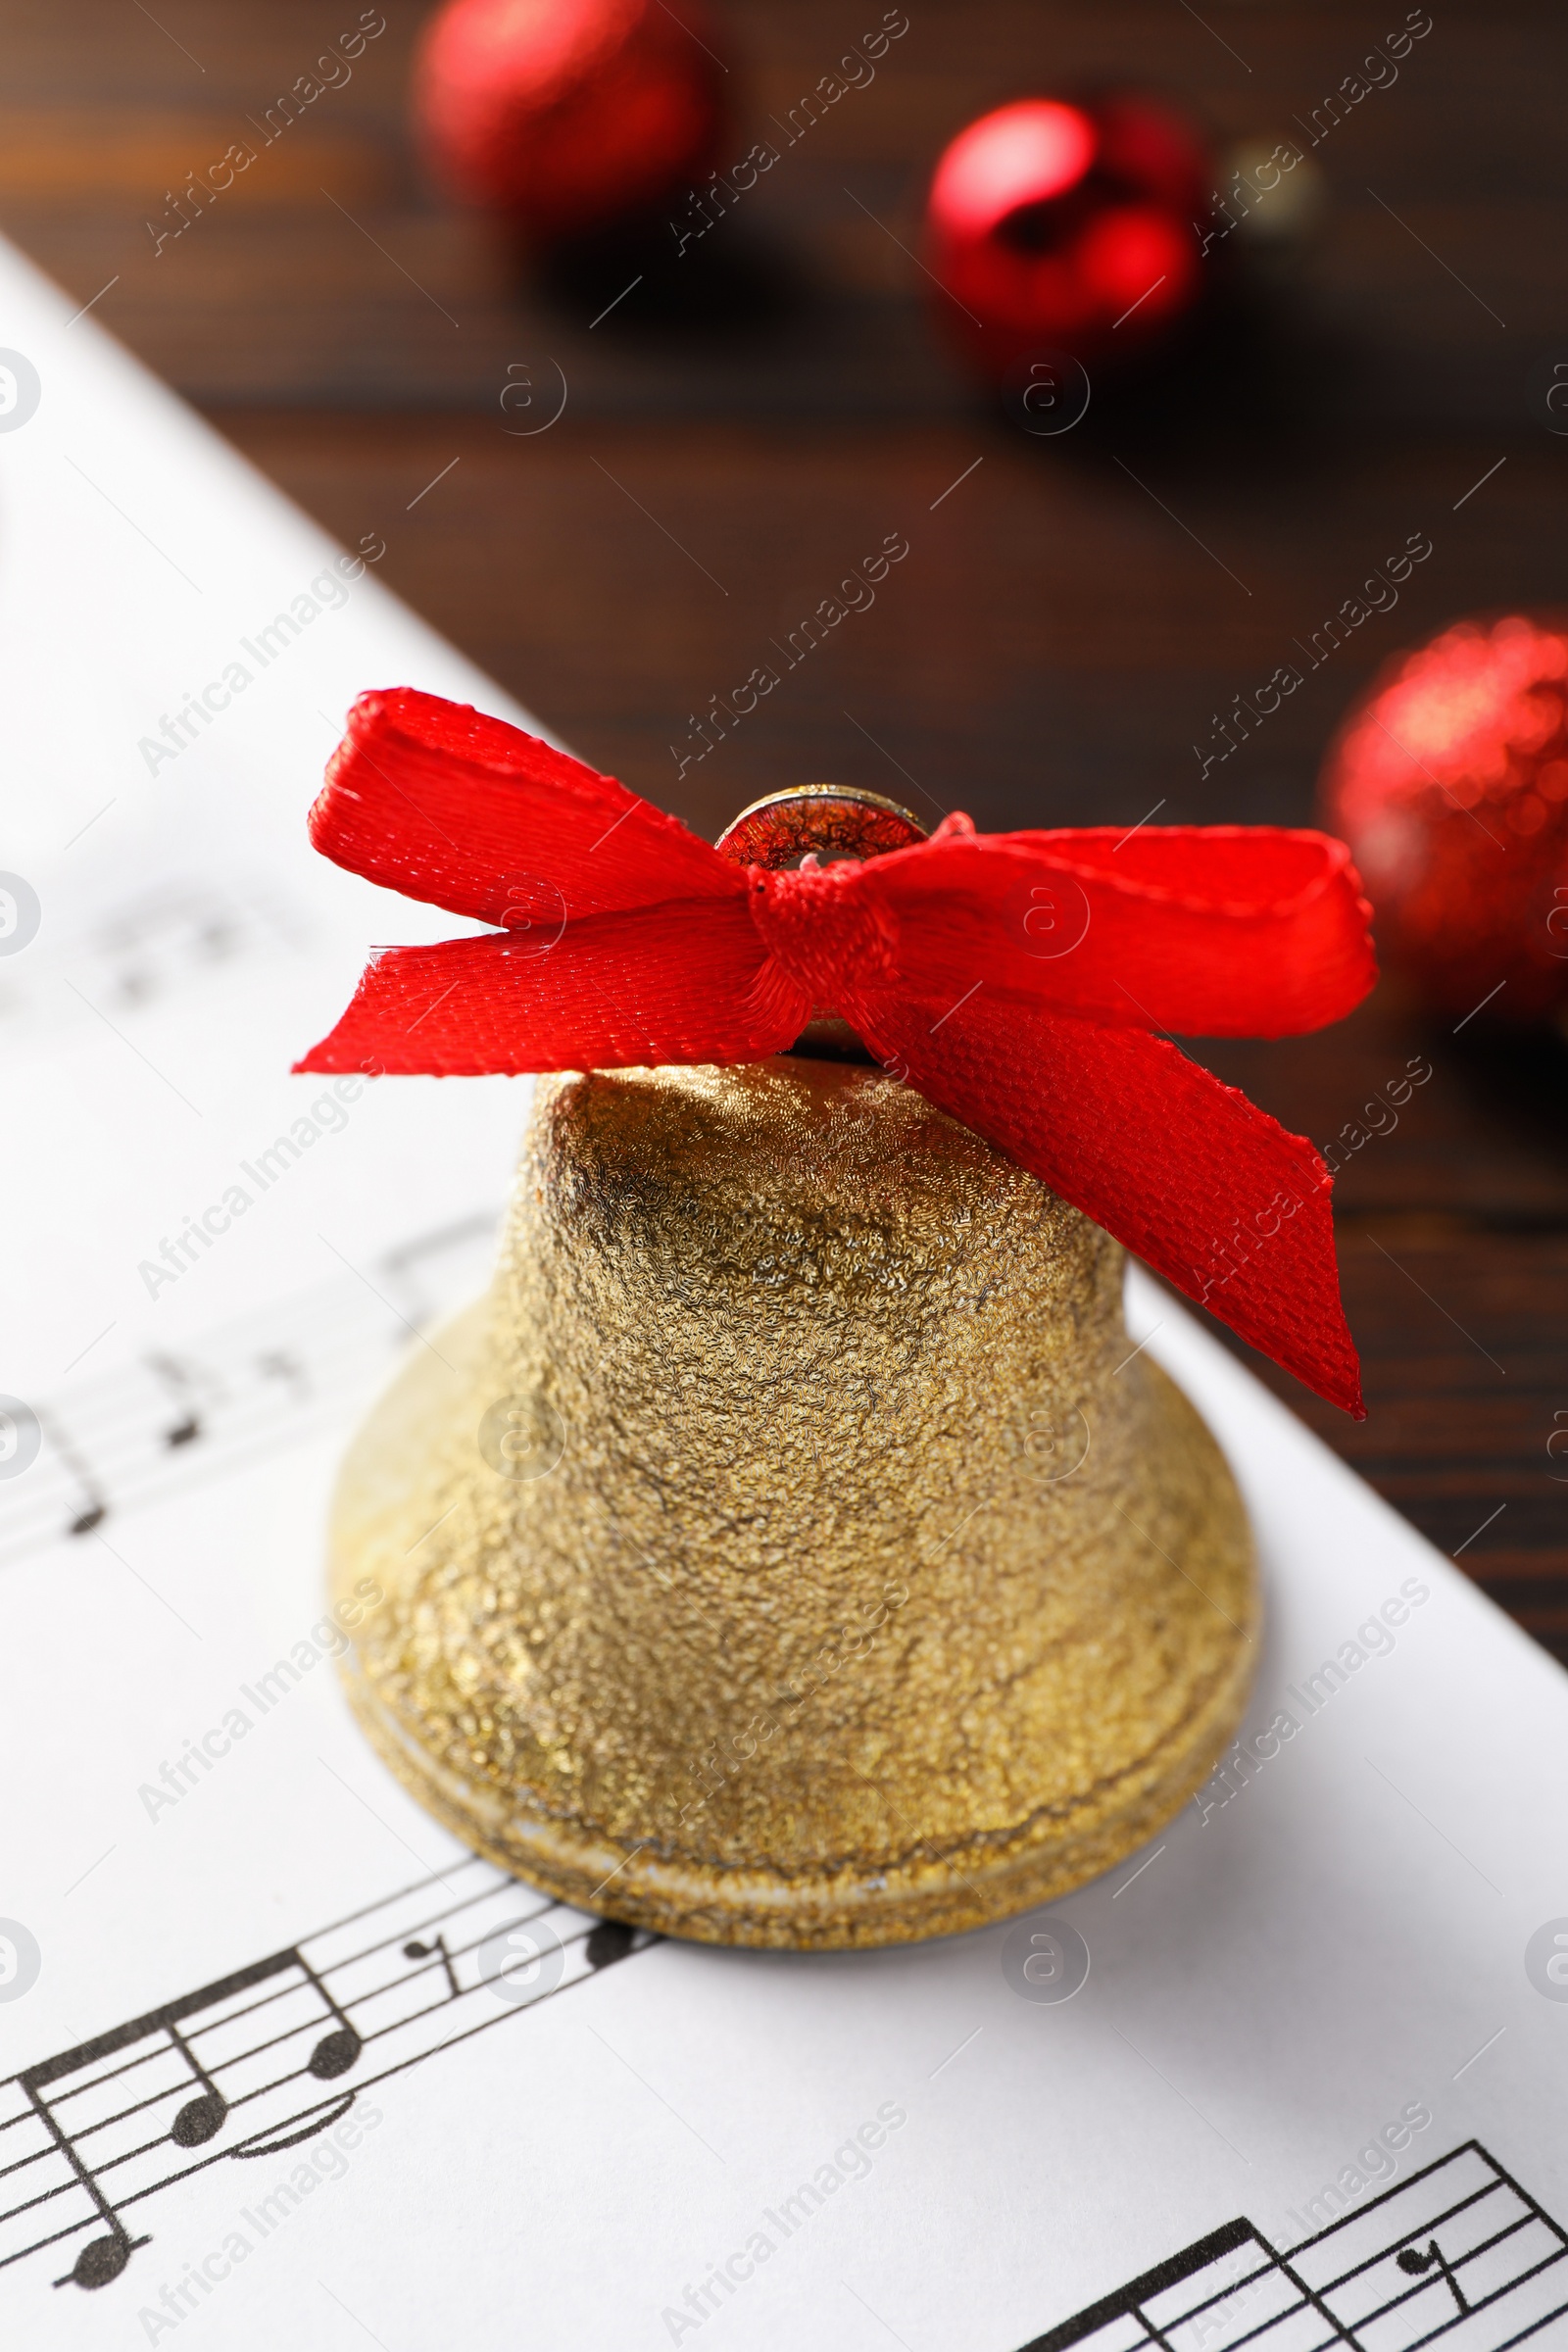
(174, 1376)
(92, 1509)
(336, 2051)
(149, 1428)
(207, 2113)
(611, 1940)
(101, 2259)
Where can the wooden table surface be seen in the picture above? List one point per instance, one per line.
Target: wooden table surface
(740, 430)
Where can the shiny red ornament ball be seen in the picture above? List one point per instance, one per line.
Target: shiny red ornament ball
(1449, 781)
(569, 115)
(1069, 224)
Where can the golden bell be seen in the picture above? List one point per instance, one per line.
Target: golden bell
(790, 1549)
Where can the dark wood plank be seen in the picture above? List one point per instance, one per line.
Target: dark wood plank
(744, 427)
(272, 293)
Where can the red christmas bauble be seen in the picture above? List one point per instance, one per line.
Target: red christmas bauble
(1068, 224)
(1449, 781)
(569, 115)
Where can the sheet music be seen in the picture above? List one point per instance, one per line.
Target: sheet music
(147, 945)
(99, 2129)
(168, 1421)
(1376, 2281)
(224, 2121)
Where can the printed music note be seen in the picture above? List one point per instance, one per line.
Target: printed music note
(180, 1379)
(91, 1509)
(204, 2115)
(1413, 2263)
(102, 2258)
(138, 951)
(429, 1951)
(165, 939)
(197, 2120)
(336, 2051)
(611, 1940)
(275, 1379)
(232, 2070)
(147, 941)
(1371, 2282)
(278, 1363)
(405, 1264)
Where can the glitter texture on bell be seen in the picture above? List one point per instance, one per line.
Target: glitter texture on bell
(785, 1553)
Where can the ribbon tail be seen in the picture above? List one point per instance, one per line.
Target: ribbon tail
(631, 991)
(1217, 1197)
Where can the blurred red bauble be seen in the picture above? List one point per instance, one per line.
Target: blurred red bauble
(1068, 224)
(569, 115)
(1449, 781)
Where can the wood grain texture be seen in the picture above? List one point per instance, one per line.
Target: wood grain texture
(748, 423)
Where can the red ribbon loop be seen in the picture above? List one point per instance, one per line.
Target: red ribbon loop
(1019, 980)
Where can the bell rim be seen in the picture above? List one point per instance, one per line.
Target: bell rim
(823, 1906)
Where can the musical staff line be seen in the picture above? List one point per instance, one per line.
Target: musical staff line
(205, 2064)
(144, 949)
(268, 2001)
(1459, 2246)
(70, 2060)
(119, 1442)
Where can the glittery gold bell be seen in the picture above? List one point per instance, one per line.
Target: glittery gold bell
(786, 1550)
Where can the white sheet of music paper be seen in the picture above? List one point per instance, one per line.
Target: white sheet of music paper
(264, 2083)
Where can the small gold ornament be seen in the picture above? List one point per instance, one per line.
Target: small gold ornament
(790, 1549)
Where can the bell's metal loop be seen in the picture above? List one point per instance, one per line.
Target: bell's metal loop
(811, 818)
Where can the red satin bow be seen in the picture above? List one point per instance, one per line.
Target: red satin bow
(1014, 978)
